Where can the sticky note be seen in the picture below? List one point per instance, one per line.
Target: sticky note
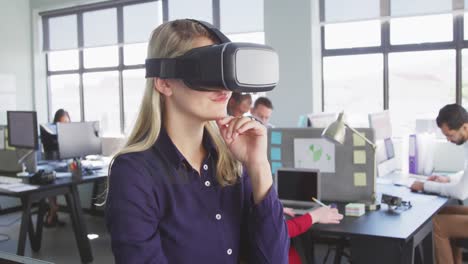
(358, 141)
(275, 166)
(359, 157)
(360, 179)
(275, 154)
(276, 137)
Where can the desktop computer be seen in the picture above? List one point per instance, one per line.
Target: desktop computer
(77, 140)
(22, 134)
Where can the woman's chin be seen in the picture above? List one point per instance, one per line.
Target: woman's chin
(216, 116)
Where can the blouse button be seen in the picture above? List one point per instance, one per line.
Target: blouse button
(218, 217)
(207, 183)
(205, 167)
(229, 251)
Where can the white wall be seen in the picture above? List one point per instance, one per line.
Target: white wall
(293, 30)
(15, 52)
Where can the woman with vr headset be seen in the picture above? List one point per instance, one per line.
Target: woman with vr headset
(192, 185)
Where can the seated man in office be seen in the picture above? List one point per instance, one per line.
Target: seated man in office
(262, 110)
(451, 222)
(239, 104)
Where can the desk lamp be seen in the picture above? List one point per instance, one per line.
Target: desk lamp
(335, 132)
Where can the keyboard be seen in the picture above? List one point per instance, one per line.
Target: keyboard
(9, 180)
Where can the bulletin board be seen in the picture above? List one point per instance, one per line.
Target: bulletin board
(347, 171)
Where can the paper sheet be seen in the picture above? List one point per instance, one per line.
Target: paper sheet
(359, 157)
(275, 153)
(358, 141)
(276, 137)
(360, 179)
(314, 153)
(275, 166)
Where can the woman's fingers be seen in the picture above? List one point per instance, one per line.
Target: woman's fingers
(225, 120)
(252, 124)
(234, 126)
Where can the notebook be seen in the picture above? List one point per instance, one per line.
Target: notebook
(296, 187)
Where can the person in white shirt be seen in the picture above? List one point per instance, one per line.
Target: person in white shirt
(262, 110)
(452, 221)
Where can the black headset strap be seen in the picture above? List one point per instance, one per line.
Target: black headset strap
(213, 30)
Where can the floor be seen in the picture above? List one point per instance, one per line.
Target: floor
(59, 246)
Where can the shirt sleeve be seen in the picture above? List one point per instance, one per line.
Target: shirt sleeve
(299, 225)
(457, 188)
(266, 231)
(132, 215)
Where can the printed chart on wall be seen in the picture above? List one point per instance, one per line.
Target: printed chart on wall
(314, 153)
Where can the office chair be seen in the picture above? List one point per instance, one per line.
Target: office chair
(462, 242)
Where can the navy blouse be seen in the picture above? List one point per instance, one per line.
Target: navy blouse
(160, 210)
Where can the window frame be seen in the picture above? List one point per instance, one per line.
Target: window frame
(78, 11)
(458, 44)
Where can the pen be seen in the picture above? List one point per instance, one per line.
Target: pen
(319, 202)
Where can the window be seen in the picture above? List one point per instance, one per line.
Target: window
(134, 87)
(135, 54)
(397, 55)
(420, 84)
(200, 9)
(66, 94)
(98, 73)
(465, 78)
(352, 35)
(101, 100)
(63, 60)
(349, 84)
(96, 53)
(101, 57)
(421, 29)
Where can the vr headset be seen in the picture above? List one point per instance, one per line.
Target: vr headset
(233, 66)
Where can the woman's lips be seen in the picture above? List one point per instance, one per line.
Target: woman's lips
(220, 98)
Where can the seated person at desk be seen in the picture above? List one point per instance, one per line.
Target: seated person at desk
(298, 225)
(262, 110)
(451, 222)
(51, 217)
(239, 104)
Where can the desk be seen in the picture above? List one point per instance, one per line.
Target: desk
(61, 186)
(385, 237)
(8, 258)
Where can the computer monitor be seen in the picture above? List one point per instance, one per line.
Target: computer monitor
(321, 120)
(49, 141)
(78, 139)
(298, 186)
(382, 125)
(22, 129)
(428, 125)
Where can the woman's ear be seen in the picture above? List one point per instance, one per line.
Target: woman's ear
(163, 86)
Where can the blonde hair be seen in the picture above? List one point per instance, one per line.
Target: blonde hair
(169, 40)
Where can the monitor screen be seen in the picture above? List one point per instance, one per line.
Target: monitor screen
(321, 120)
(22, 129)
(78, 139)
(298, 184)
(382, 125)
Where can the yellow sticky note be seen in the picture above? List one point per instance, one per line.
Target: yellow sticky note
(359, 157)
(360, 179)
(358, 141)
